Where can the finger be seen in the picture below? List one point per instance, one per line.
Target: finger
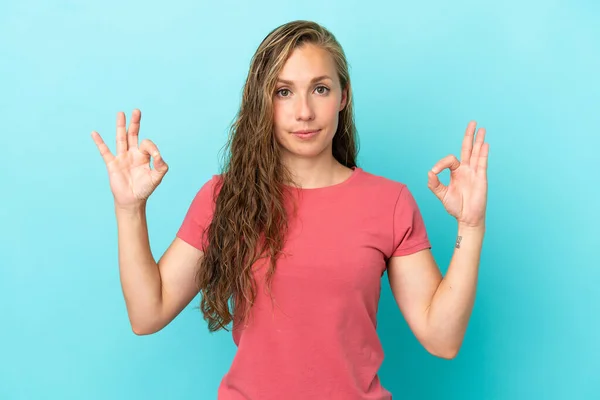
(160, 166)
(482, 163)
(435, 185)
(104, 150)
(449, 161)
(121, 134)
(134, 129)
(467, 145)
(148, 148)
(477, 148)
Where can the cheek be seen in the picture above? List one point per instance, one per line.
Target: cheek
(331, 110)
(280, 115)
(279, 123)
(276, 115)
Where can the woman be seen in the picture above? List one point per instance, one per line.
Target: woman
(290, 242)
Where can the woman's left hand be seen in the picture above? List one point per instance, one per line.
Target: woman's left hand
(465, 197)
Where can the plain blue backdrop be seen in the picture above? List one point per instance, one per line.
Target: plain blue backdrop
(526, 71)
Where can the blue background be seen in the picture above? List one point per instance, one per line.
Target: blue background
(526, 71)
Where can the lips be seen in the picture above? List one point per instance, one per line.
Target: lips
(306, 134)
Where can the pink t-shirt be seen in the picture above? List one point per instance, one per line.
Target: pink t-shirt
(319, 340)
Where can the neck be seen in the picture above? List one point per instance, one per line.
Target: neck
(312, 173)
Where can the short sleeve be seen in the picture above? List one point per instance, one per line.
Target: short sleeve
(409, 234)
(199, 216)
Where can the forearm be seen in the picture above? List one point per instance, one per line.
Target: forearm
(453, 301)
(139, 273)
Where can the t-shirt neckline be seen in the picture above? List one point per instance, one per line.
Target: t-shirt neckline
(355, 171)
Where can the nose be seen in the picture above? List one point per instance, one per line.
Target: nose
(304, 109)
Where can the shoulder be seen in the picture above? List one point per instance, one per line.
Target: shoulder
(211, 185)
(206, 193)
(384, 191)
(370, 182)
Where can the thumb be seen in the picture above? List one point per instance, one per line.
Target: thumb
(435, 185)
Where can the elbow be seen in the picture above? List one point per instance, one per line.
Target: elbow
(144, 329)
(139, 331)
(447, 355)
(145, 322)
(441, 347)
(444, 352)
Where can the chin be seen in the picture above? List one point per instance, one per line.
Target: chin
(313, 151)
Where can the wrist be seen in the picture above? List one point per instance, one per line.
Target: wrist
(469, 235)
(130, 210)
(468, 228)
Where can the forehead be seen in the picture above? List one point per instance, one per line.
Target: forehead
(307, 62)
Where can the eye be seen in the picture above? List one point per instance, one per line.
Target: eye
(322, 89)
(283, 92)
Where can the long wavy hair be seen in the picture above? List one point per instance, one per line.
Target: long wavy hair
(250, 220)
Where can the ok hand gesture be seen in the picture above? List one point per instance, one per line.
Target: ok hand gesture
(132, 180)
(465, 197)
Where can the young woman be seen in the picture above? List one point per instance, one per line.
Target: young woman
(289, 243)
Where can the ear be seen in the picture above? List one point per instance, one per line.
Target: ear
(344, 97)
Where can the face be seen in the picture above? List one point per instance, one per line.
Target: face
(307, 101)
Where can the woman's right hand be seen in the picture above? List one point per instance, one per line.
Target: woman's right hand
(132, 180)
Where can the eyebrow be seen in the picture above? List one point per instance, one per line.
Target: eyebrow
(318, 78)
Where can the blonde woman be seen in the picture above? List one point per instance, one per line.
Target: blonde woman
(289, 242)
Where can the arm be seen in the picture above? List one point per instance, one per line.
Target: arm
(438, 309)
(155, 293)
